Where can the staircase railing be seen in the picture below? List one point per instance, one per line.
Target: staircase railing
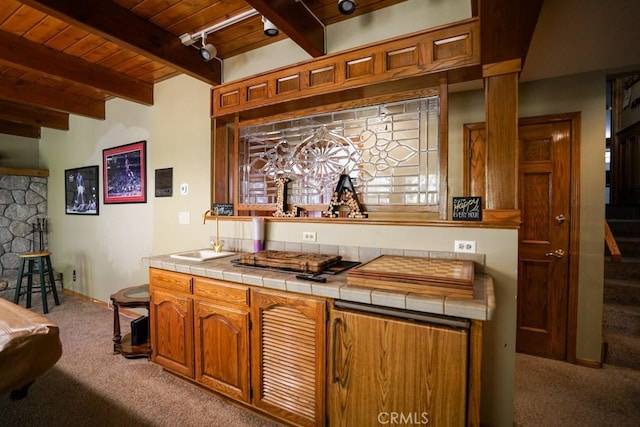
(612, 245)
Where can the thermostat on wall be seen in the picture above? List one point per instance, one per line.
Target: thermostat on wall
(184, 189)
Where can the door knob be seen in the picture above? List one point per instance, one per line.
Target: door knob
(558, 253)
(560, 219)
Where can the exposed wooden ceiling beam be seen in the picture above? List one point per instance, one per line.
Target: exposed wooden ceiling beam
(34, 116)
(19, 129)
(118, 25)
(506, 28)
(31, 56)
(293, 19)
(26, 92)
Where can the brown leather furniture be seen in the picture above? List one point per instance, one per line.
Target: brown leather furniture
(29, 346)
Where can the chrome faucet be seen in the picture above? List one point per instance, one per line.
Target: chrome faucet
(217, 244)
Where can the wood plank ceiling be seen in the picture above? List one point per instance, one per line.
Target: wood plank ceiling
(61, 57)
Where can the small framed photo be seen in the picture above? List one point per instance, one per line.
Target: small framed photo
(124, 170)
(81, 191)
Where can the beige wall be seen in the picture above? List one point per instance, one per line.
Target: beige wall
(105, 250)
(585, 93)
(18, 152)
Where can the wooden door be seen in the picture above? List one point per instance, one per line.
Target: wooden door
(171, 316)
(380, 367)
(547, 197)
(222, 349)
(543, 261)
(625, 158)
(288, 356)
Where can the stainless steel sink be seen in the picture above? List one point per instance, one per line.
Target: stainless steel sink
(201, 255)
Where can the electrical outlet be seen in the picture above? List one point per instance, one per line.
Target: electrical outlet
(308, 236)
(465, 246)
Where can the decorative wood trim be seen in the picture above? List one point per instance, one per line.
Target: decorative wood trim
(505, 67)
(427, 52)
(501, 107)
(589, 363)
(443, 149)
(24, 172)
(344, 105)
(390, 222)
(475, 371)
(503, 215)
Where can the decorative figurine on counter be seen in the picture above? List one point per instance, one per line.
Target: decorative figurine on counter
(344, 195)
(281, 200)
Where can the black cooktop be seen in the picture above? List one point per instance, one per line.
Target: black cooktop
(335, 268)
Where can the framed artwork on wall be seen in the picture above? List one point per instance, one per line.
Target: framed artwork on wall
(124, 170)
(81, 191)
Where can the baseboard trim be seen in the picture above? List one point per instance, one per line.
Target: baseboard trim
(589, 363)
(108, 305)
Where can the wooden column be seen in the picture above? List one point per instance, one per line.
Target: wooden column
(501, 110)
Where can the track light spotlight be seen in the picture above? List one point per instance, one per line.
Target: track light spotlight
(269, 29)
(207, 51)
(346, 7)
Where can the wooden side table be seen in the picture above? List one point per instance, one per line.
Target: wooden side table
(133, 297)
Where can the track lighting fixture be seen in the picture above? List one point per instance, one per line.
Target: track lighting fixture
(207, 51)
(269, 29)
(346, 7)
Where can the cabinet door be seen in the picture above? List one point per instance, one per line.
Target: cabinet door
(388, 371)
(171, 316)
(288, 356)
(222, 349)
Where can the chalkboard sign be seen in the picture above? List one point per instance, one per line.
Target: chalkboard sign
(223, 209)
(467, 208)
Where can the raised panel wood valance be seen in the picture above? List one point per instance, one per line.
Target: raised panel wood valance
(452, 47)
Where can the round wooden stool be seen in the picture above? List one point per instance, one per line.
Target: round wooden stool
(44, 268)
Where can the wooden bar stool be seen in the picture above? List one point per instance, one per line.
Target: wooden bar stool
(44, 269)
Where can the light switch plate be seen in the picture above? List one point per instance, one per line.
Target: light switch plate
(184, 218)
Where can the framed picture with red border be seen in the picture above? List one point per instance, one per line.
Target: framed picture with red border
(124, 170)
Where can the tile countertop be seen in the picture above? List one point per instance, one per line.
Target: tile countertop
(481, 307)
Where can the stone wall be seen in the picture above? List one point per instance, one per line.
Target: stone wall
(23, 199)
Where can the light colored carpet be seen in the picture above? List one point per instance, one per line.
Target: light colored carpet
(90, 386)
(552, 393)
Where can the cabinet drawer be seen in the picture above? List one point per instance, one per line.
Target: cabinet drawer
(169, 280)
(223, 292)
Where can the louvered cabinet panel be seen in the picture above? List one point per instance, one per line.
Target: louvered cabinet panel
(171, 316)
(222, 349)
(288, 356)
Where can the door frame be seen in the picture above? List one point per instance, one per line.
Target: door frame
(574, 119)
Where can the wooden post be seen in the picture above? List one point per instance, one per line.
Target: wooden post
(501, 109)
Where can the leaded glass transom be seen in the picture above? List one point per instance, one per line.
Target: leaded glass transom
(390, 152)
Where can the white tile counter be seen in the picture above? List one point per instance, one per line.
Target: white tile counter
(481, 307)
